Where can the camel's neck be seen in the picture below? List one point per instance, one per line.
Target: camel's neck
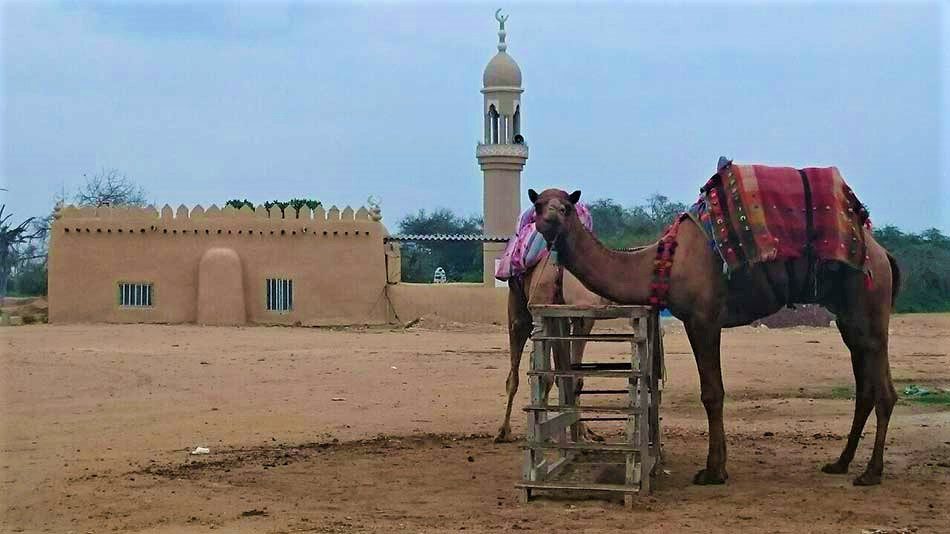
(623, 277)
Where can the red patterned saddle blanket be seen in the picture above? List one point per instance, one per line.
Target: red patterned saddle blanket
(756, 213)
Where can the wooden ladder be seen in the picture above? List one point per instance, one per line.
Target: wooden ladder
(554, 427)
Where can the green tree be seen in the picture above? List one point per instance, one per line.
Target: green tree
(462, 261)
(295, 203)
(12, 239)
(28, 278)
(924, 261)
(620, 227)
(662, 211)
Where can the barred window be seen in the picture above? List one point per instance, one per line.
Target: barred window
(135, 295)
(280, 294)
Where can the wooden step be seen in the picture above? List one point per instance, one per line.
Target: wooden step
(595, 373)
(578, 486)
(610, 338)
(630, 410)
(584, 446)
(601, 366)
(613, 311)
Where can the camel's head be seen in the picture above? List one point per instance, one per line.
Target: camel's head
(554, 212)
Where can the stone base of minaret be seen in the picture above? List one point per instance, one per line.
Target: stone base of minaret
(491, 252)
(501, 166)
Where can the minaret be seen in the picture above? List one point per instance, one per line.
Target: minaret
(502, 154)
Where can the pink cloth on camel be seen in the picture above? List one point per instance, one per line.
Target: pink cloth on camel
(527, 248)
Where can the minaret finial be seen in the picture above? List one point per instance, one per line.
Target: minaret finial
(501, 30)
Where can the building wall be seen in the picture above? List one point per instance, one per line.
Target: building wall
(335, 259)
(461, 303)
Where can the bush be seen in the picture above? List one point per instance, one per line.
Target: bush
(924, 261)
(30, 280)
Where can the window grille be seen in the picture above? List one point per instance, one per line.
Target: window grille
(135, 295)
(280, 294)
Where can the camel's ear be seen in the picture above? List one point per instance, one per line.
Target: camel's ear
(532, 195)
(574, 197)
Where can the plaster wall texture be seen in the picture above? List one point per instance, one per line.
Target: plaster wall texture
(335, 259)
(490, 254)
(501, 166)
(221, 288)
(502, 190)
(462, 303)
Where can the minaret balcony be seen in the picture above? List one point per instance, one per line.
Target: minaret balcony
(509, 150)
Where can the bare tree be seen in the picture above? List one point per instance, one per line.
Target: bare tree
(109, 187)
(11, 238)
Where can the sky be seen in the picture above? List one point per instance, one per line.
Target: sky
(200, 102)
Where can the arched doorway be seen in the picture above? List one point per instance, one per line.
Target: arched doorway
(221, 288)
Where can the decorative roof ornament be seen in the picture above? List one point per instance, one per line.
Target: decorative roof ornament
(501, 30)
(502, 71)
(375, 213)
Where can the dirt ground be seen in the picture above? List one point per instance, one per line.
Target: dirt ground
(389, 430)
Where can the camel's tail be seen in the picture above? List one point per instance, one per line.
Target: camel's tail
(895, 278)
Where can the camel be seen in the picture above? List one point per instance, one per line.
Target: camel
(706, 302)
(543, 284)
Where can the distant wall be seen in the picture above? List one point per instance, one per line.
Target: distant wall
(462, 303)
(335, 259)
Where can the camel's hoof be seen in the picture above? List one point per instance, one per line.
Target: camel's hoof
(705, 477)
(504, 436)
(835, 469)
(867, 479)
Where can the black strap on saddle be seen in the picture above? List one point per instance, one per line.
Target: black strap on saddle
(809, 241)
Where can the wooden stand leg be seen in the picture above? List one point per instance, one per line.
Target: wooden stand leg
(535, 468)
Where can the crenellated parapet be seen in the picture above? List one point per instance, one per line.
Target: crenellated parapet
(198, 212)
(214, 220)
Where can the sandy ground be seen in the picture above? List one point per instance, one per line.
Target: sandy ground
(382, 430)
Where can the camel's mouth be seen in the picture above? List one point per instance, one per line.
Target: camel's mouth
(549, 232)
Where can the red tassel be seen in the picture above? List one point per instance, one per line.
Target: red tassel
(868, 281)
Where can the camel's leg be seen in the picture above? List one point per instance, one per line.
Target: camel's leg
(885, 397)
(519, 330)
(863, 404)
(864, 329)
(581, 327)
(704, 339)
(563, 355)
